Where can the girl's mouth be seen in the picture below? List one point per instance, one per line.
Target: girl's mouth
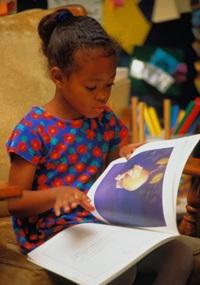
(100, 108)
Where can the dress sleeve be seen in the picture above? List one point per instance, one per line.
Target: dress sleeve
(26, 143)
(118, 130)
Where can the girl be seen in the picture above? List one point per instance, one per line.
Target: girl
(59, 149)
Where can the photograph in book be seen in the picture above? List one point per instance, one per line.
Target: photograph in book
(142, 191)
(131, 192)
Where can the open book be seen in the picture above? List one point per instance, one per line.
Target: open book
(136, 201)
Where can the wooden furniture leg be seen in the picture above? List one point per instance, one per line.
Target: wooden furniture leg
(189, 223)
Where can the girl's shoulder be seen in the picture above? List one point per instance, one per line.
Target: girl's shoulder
(32, 120)
(35, 112)
(36, 115)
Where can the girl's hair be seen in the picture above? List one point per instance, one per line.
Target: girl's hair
(63, 34)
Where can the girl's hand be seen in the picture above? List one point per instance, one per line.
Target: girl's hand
(128, 149)
(67, 198)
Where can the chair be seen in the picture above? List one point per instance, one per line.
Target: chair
(24, 83)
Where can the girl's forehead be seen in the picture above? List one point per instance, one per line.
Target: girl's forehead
(94, 64)
(85, 56)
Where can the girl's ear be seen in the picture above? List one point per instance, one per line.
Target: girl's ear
(56, 76)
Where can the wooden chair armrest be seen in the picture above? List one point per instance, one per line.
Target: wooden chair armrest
(189, 224)
(9, 191)
(192, 166)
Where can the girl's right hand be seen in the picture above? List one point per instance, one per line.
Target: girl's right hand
(68, 198)
(127, 150)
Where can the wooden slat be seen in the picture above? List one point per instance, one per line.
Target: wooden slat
(134, 124)
(192, 166)
(167, 107)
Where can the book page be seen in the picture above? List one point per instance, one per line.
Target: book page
(184, 154)
(142, 191)
(94, 253)
(91, 254)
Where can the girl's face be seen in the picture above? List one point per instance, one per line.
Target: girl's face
(87, 89)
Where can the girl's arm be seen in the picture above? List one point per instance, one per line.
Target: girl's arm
(35, 202)
(112, 155)
(125, 150)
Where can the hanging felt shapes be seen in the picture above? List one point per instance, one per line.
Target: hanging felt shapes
(120, 23)
(161, 68)
(196, 18)
(118, 3)
(195, 4)
(196, 32)
(197, 65)
(151, 74)
(197, 83)
(196, 47)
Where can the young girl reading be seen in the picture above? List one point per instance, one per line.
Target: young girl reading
(59, 149)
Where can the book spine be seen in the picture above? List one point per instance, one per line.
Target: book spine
(187, 112)
(149, 122)
(181, 114)
(174, 116)
(194, 125)
(155, 120)
(190, 118)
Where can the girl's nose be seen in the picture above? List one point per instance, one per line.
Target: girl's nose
(103, 96)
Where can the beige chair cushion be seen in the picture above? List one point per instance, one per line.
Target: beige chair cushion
(24, 79)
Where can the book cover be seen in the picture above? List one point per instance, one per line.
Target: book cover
(135, 202)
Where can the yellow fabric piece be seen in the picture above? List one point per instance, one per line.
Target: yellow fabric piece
(126, 24)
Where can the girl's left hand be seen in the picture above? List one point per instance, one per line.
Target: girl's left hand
(67, 198)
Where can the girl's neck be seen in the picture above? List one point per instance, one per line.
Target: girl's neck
(61, 108)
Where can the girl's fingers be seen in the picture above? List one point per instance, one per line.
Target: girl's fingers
(86, 204)
(57, 208)
(69, 204)
(71, 201)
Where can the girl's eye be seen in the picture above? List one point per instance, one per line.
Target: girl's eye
(109, 85)
(90, 88)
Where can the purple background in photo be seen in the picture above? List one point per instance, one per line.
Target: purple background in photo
(142, 207)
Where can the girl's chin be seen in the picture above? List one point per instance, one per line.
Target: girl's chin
(93, 114)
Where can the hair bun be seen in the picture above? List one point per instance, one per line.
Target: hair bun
(64, 17)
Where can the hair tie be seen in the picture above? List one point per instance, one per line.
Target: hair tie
(64, 17)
